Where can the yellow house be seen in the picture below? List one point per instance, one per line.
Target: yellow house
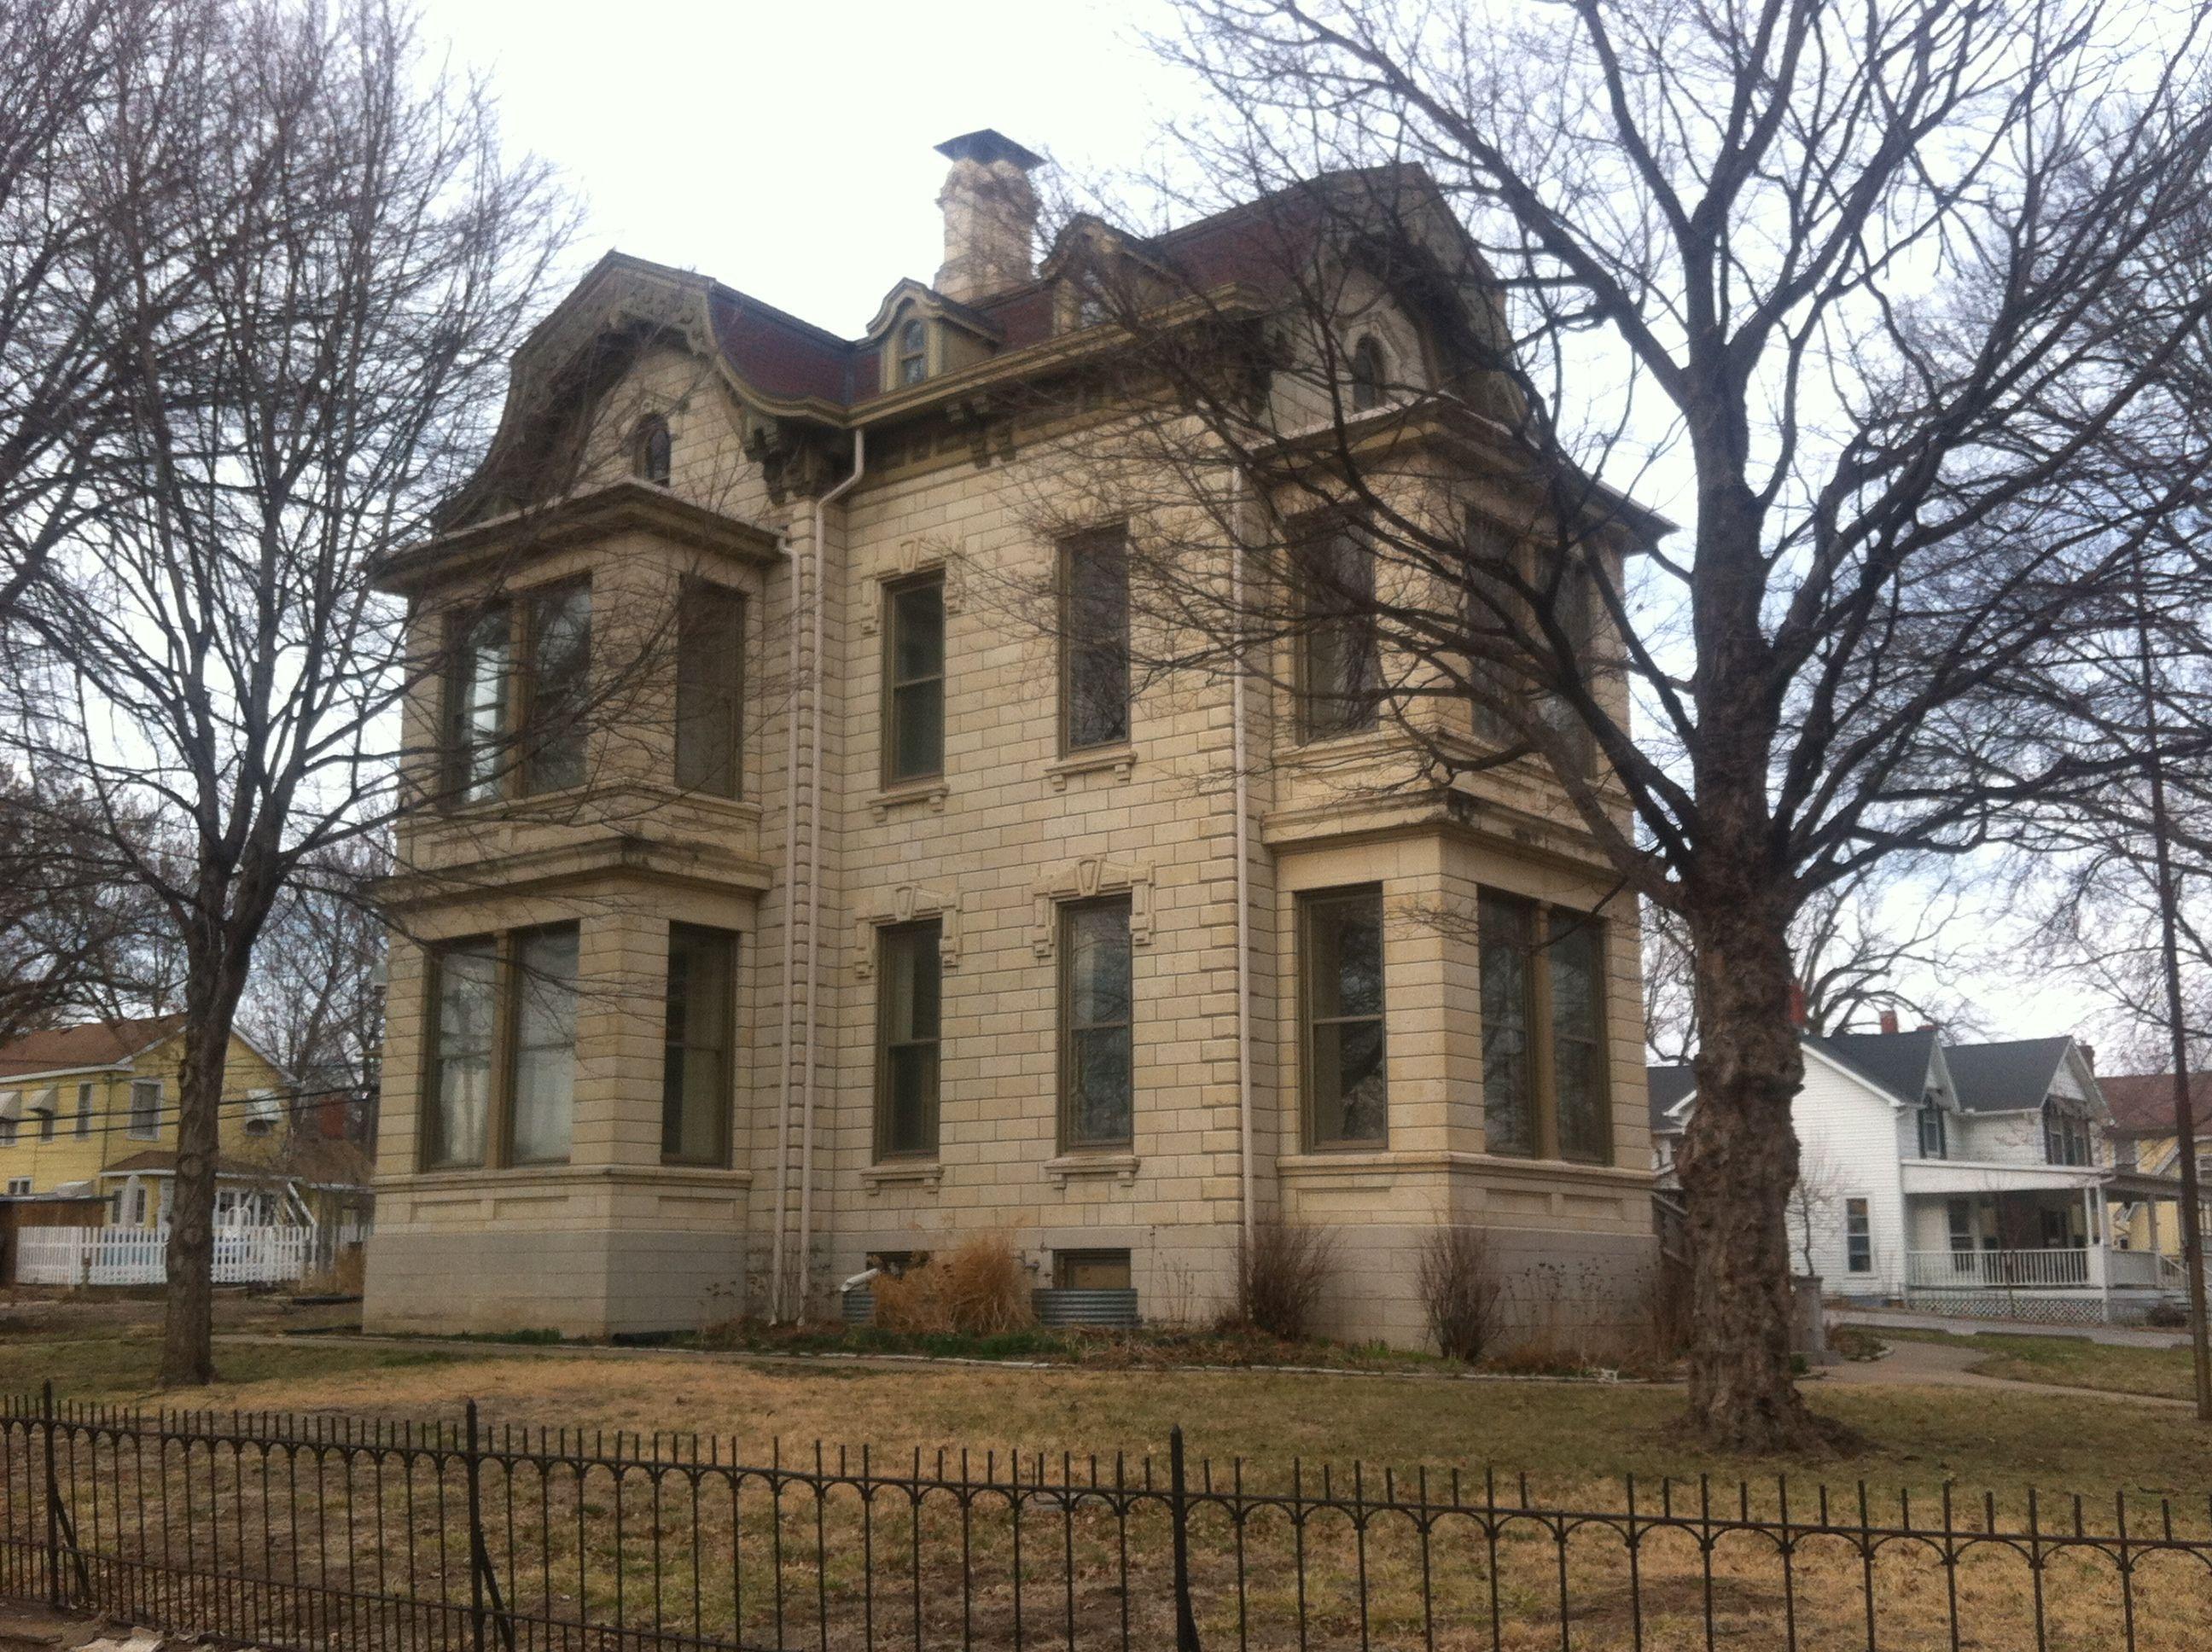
(92, 1110)
(2142, 1124)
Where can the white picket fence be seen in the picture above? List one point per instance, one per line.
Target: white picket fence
(81, 1256)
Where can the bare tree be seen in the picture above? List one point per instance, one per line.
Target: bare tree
(315, 1003)
(1892, 937)
(75, 931)
(1853, 276)
(361, 259)
(76, 162)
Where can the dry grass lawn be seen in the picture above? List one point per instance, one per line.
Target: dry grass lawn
(657, 1551)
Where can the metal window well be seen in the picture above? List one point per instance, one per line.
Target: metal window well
(1114, 1308)
(860, 1304)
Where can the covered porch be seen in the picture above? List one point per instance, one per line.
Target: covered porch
(2023, 1242)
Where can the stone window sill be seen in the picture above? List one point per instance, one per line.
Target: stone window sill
(924, 1173)
(932, 793)
(1121, 759)
(1122, 1167)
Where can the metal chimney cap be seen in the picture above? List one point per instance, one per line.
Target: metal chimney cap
(987, 145)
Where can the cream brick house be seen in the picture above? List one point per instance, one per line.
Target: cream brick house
(862, 915)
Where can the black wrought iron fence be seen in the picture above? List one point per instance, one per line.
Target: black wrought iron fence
(449, 1535)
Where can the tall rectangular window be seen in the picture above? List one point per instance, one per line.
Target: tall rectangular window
(1932, 1142)
(1507, 941)
(1578, 1065)
(710, 684)
(698, 1058)
(1094, 646)
(464, 1017)
(1340, 955)
(477, 682)
(1858, 1236)
(1096, 1019)
(1338, 676)
(907, 1022)
(48, 1104)
(145, 1109)
(1546, 1089)
(542, 1104)
(914, 680)
(84, 1109)
(558, 627)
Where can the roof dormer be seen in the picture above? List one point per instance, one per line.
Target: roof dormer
(919, 334)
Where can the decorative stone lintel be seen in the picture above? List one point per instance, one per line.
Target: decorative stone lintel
(1083, 880)
(1122, 1167)
(1122, 759)
(900, 797)
(927, 1174)
(919, 554)
(902, 905)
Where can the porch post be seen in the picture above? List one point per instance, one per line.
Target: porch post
(2100, 1237)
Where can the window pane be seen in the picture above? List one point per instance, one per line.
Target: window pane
(915, 670)
(1347, 944)
(544, 1043)
(460, 1074)
(476, 707)
(710, 689)
(1096, 1011)
(560, 687)
(695, 1085)
(1096, 640)
(1577, 958)
(1344, 999)
(907, 1034)
(1337, 675)
(1509, 1090)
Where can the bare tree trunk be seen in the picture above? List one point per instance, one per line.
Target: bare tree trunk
(1739, 1163)
(211, 999)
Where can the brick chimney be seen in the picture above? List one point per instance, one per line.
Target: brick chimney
(1889, 1021)
(990, 216)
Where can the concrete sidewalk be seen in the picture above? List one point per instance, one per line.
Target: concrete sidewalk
(1934, 1365)
(2112, 1336)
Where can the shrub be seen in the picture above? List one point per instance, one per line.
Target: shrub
(2166, 1316)
(1461, 1292)
(1281, 1272)
(979, 1290)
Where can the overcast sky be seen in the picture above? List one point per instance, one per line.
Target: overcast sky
(787, 149)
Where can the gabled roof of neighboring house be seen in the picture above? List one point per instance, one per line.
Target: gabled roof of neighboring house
(2007, 1077)
(163, 1160)
(1899, 1063)
(1667, 1086)
(2142, 1104)
(87, 1044)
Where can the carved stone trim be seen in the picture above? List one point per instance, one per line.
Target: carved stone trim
(1122, 759)
(908, 558)
(881, 804)
(797, 459)
(904, 905)
(927, 1174)
(1122, 1167)
(1081, 880)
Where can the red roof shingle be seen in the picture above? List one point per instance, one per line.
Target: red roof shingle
(2143, 1103)
(89, 1044)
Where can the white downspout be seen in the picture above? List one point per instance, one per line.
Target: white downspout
(1241, 805)
(775, 1276)
(814, 862)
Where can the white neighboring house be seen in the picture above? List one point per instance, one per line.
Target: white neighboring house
(1969, 1178)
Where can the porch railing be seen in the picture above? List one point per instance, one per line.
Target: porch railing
(2003, 1270)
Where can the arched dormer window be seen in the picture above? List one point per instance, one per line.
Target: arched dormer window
(913, 350)
(1369, 373)
(650, 450)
